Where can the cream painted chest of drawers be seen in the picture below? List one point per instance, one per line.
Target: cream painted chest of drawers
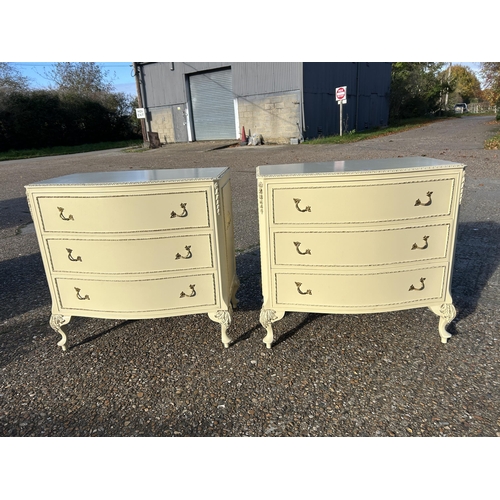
(358, 237)
(137, 244)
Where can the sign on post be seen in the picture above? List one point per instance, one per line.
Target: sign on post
(341, 97)
(340, 93)
(140, 112)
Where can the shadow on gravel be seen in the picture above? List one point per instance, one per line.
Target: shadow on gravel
(310, 317)
(249, 293)
(23, 286)
(88, 340)
(14, 212)
(477, 257)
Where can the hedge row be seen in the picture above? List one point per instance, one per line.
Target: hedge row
(44, 118)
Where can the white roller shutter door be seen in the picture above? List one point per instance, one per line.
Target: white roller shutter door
(212, 104)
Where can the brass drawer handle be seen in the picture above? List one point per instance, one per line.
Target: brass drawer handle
(79, 296)
(418, 289)
(193, 292)
(61, 210)
(183, 214)
(297, 201)
(70, 257)
(419, 203)
(415, 246)
(297, 245)
(307, 292)
(188, 255)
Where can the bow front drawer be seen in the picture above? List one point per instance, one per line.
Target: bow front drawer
(384, 290)
(362, 247)
(339, 203)
(131, 298)
(116, 213)
(130, 255)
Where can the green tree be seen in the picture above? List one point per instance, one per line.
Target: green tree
(31, 119)
(80, 108)
(136, 123)
(88, 80)
(86, 86)
(490, 71)
(81, 78)
(11, 80)
(417, 88)
(465, 82)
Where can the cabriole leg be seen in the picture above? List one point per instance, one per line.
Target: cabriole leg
(447, 314)
(267, 318)
(56, 322)
(224, 318)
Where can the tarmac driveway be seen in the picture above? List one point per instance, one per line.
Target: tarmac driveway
(327, 375)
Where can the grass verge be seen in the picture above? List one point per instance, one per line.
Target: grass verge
(394, 128)
(493, 142)
(67, 150)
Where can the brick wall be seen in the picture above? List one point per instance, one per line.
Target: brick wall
(275, 117)
(162, 122)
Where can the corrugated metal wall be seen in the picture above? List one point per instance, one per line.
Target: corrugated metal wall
(165, 83)
(161, 85)
(254, 78)
(368, 86)
(374, 92)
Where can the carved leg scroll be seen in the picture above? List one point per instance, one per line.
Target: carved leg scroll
(267, 318)
(446, 313)
(56, 322)
(224, 318)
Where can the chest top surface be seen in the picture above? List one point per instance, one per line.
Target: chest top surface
(353, 167)
(136, 177)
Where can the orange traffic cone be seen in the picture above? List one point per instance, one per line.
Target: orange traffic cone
(244, 139)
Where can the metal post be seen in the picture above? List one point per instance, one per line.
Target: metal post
(340, 104)
(139, 102)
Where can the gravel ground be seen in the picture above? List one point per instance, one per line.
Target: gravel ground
(327, 375)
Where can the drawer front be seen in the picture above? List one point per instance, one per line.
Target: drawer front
(124, 213)
(126, 255)
(334, 203)
(363, 290)
(136, 296)
(361, 248)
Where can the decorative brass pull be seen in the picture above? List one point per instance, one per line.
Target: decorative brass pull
(70, 257)
(79, 296)
(418, 202)
(307, 292)
(61, 210)
(188, 256)
(415, 246)
(183, 214)
(418, 289)
(297, 201)
(297, 245)
(193, 292)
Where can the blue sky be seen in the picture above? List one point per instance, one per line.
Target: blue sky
(119, 72)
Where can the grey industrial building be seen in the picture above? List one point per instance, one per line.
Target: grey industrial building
(280, 101)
